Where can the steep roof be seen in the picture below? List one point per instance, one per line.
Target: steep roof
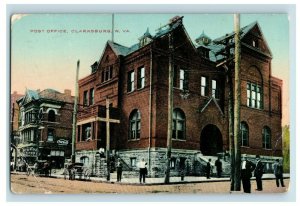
(243, 32)
(217, 45)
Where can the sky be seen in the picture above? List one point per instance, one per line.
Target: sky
(46, 47)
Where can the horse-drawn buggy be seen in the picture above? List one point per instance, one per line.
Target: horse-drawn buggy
(73, 170)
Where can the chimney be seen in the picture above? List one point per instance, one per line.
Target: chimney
(67, 92)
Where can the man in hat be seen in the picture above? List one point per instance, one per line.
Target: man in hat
(258, 173)
(278, 172)
(246, 174)
(119, 170)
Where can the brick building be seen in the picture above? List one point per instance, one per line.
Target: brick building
(14, 119)
(45, 126)
(14, 111)
(135, 80)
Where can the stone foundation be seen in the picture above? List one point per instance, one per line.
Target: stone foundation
(183, 162)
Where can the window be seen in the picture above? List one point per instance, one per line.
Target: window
(215, 89)
(183, 80)
(178, 124)
(51, 116)
(135, 124)
(84, 160)
(245, 134)
(92, 96)
(86, 132)
(204, 88)
(254, 96)
(85, 98)
(255, 43)
(173, 163)
(141, 78)
(50, 137)
(130, 81)
(107, 73)
(133, 162)
(266, 138)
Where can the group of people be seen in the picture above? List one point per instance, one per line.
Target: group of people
(142, 165)
(258, 169)
(247, 168)
(218, 165)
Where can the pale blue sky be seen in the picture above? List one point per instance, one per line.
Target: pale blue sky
(48, 60)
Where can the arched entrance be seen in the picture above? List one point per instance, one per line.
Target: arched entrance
(211, 141)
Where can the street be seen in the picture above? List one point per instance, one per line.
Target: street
(22, 184)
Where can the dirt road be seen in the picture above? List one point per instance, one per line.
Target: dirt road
(22, 184)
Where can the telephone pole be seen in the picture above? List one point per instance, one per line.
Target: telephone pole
(107, 139)
(237, 102)
(170, 109)
(75, 114)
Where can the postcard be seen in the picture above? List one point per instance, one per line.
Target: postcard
(149, 103)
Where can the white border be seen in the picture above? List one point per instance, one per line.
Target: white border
(217, 8)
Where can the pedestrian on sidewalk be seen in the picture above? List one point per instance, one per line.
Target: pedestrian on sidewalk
(258, 173)
(143, 170)
(119, 170)
(278, 172)
(218, 165)
(208, 169)
(246, 174)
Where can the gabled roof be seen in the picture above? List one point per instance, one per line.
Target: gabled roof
(243, 31)
(217, 45)
(118, 48)
(32, 94)
(121, 50)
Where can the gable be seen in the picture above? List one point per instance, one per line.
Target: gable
(254, 39)
(183, 45)
(108, 56)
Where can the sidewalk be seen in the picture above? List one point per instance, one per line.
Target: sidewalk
(160, 180)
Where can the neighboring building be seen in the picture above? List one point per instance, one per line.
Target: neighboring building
(45, 126)
(14, 111)
(135, 80)
(14, 126)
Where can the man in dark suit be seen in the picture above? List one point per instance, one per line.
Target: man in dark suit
(208, 169)
(258, 173)
(246, 174)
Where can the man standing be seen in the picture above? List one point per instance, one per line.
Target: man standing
(278, 172)
(218, 165)
(143, 170)
(246, 174)
(208, 169)
(258, 173)
(119, 170)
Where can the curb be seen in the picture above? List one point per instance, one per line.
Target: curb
(154, 183)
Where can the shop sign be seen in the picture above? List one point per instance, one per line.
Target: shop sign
(62, 142)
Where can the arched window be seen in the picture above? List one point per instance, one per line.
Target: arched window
(135, 124)
(51, 116)
(178, 124)
(244, 134)
(266, 138)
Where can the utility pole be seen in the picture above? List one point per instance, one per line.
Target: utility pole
(75, 114)
(170, 109)
(237, 102)
(107, 139)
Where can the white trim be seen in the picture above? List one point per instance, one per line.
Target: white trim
(50, 105)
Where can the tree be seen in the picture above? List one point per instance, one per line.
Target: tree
(286, 148)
